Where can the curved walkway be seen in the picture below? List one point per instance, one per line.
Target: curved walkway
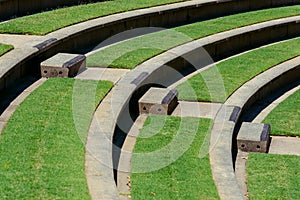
(17, 40)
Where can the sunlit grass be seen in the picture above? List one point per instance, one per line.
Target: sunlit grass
(285, 118)
(173, 139)
(273, 176)
(42, 150)
(4, 48)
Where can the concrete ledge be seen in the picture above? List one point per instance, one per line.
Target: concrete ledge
(221, 156)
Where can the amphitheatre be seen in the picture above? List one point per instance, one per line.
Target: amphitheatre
(150, 99)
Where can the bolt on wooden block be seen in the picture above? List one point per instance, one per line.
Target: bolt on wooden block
(158, 101)
(63, 65)
(254, 137)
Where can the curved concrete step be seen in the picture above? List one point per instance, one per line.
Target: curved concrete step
(115, 109)
(255, 89)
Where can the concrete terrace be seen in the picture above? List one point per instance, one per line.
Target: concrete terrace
(107, 159)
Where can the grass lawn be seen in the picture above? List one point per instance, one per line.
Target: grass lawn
(130, 53)
(236, 71)
(4, 48)
(46, 22)
(285, 118)
(42, 156)
(273, 176)
(189, 176)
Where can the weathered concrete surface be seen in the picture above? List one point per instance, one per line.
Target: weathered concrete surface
(108, 74)
(18, 40)
(285, 145)
(240, 172)
(125, 158)
(221, 155)
(197, 109)
(98, 157)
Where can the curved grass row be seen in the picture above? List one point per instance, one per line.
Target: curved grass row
(42, 154)
(273, 176)
(236, 71)
(129, 54)
(4, 48)
(285, 118)
(188, 176)
(46, 22)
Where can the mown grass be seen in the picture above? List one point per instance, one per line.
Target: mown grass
(46, 22)
(285, 118)
(4, 48)
(177, 139)
(236, 71)
(42, 154)
(130, 53)
(273, 176)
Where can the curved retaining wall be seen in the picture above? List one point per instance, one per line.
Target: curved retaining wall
(85, 35)
(115, 109)
(13, 8)
(223, 129)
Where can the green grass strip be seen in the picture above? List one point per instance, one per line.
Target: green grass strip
(284, 119)
(42, 156)
(46, 22)
(130, 53)
(273, 176)
(4, 48)
(189, 176)
(236, 71)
